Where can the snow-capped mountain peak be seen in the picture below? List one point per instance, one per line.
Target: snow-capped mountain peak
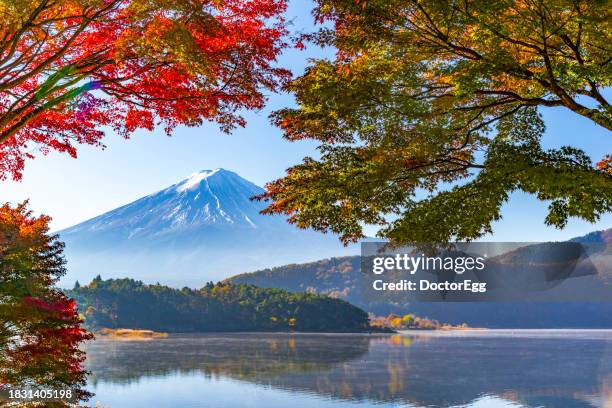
(194, 180)
(203, 227)
(210, 198)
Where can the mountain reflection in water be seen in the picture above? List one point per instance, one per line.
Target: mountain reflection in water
(472, 369)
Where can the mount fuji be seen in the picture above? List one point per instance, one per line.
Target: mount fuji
(205, 227)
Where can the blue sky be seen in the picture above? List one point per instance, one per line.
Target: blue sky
(72, 191)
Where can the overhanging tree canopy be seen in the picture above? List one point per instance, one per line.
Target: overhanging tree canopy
(69, 68)
(429, 114)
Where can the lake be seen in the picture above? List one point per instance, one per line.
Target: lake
(493, 368)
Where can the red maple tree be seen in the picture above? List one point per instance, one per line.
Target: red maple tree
(40, 328)
(71, 68)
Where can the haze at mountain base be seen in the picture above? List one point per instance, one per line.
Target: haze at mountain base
(205, 227)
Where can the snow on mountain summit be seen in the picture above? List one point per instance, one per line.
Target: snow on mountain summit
(210, 198)
(195, 179)
(203, 227)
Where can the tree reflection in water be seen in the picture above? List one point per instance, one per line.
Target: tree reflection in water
(567, 369)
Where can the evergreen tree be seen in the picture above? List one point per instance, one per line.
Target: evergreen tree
(126, 303)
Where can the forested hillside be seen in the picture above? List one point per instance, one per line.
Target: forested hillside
(337, 277)
(342, 278)
(126, 303)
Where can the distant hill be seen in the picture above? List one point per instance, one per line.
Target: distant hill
(604, 236)
(338, 277)
(341, 277)
(126, 303)
(205, 227)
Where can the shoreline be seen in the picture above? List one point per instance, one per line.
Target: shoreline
(130, 334)
(149, 334)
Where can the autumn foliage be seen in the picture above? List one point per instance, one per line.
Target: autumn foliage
(430, 116)
(71, 68)
(40, 330)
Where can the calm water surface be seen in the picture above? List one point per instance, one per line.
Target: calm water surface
(495, 368)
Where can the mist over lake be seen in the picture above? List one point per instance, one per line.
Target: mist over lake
(492, 368)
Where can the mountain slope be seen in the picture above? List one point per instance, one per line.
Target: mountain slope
(341, 277)
(596, 237)
(205, 227)
(210, 198)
